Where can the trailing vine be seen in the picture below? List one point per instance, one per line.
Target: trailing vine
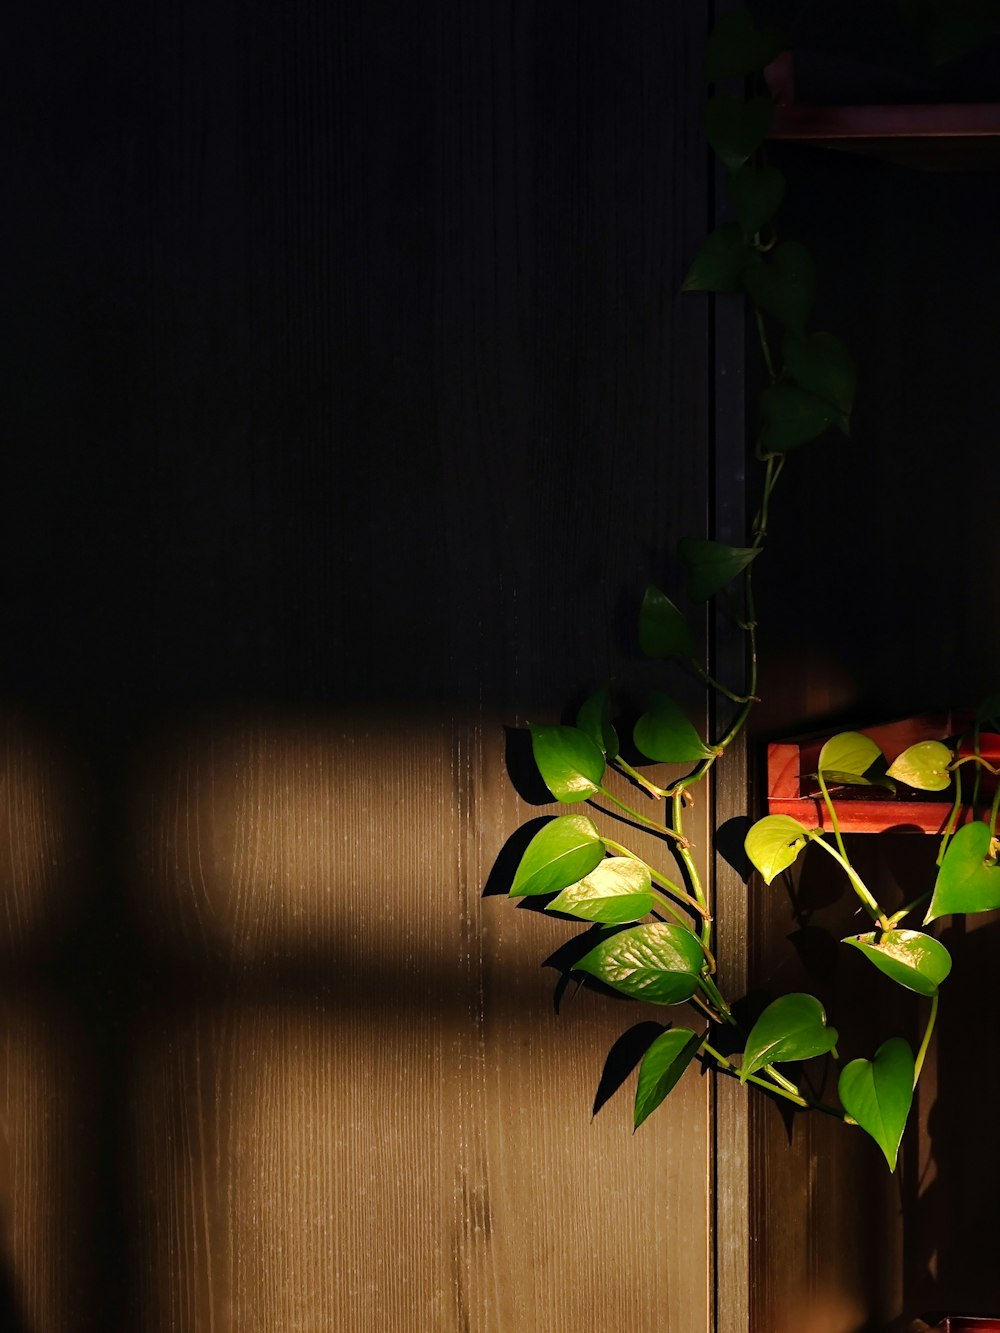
(656, 935)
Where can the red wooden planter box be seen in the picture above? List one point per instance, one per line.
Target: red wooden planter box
(792, 791)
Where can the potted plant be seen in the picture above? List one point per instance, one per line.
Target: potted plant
(652, 934)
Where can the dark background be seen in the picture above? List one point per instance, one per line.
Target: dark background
(342, 366)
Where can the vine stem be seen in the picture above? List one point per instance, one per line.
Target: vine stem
(656, 792)
(903, 912)
(832, 812)
(726, 1067)
(857, 883)
(919, 1062)
(662, 829)
(952, 821)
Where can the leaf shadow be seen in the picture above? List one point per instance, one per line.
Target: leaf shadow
(504, 868)
(622, 1059)
(522, 769)
(729, 843)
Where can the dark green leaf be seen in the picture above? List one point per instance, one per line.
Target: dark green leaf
(665, 734)
(969, 878)
(659, 963)
(924, 765)
(989, 710)
(571, 765)
(822, 365)
(560, 853)
(614, 893)
(792, 1028)
(662, 1065)
(790, 417)
(849, 752)
(878, 1093)
(737, 128)
(773, 844)
(736, 46)
(918, 962)
(594, 718)
(756, 193)
(663, 631)
(783, 284)
(712, 565)
(718, 266)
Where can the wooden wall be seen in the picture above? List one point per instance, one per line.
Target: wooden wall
(351, 403)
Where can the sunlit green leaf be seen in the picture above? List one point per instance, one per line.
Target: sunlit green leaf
(790, 417)
(659, 963)
(663, 631)
(773, 844)
(712, 565)
(969, 877)
(594, 718)
(718, 266)
(822, 365)
(615, 892)
(924, 765)
(791, 1028)
(918, 962)
(570, 763)
(662, 1065)
(665, 734)
(783, 284)
(849, 752)
(561, 852)
(736, 46)
(756, 193)
(737, 128)
(878, 1093)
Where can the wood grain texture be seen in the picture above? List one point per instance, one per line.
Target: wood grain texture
(352, 417)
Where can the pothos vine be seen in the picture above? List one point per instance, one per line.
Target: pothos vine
(656, 932)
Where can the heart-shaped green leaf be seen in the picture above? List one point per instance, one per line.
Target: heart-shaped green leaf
(924, 765)
(783, 284)
(659, 963)
(615, 892)
(662, 1065)
(822, 365)
(756, 193)
(736, 46)
(789, 416)
(737, 128)
(663, 631)
(665, 734)
(918, 962)
(570, 763)
(712, 565)
(594, 718)
(773, 844)
(877, 1094)
(849, 752)
(791, 1028)
(718, 266)
(969, 878)
(561, 852)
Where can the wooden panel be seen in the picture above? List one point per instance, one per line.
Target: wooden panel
(357, 1106)
(352, 406)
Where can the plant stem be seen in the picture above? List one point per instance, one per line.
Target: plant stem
(663, 902)
(726, 1067)
(663, 829)
(717, 685)
(715, 995)
(857, 883)
(781, 1080)
(765, 346)
(832, 812)
(994, 808)
(656, 792)
(896, 917)
(919, 1062)
(952, 821)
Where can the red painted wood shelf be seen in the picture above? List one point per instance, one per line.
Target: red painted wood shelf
(792, 790)
(931, 137)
